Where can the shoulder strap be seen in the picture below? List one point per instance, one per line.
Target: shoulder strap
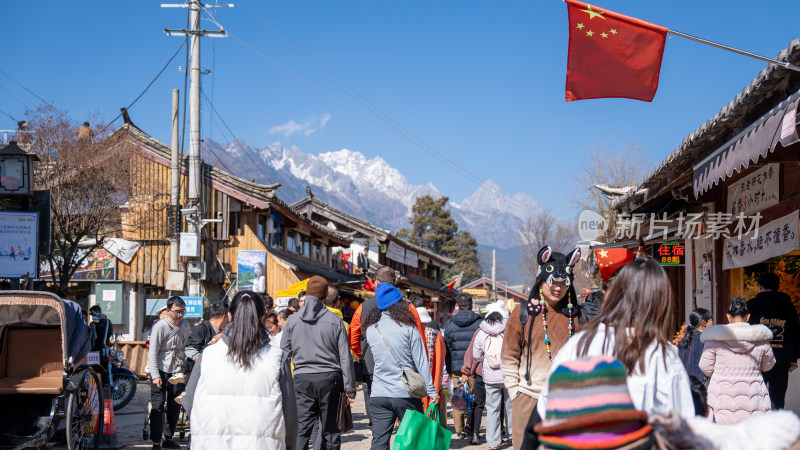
(390, 348)
(172, 333)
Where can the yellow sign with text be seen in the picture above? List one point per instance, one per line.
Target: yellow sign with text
(294, 289)
(476, 292)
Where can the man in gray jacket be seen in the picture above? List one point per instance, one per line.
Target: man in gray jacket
(316, 341)
(167, 343)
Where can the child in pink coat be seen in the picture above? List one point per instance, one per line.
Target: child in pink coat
(734, 357)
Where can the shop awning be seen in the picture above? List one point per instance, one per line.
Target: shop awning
(778, 126)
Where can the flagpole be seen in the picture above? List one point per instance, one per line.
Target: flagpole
(784, 64)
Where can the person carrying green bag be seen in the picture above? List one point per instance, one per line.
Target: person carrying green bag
(401, 376)
(419, 430)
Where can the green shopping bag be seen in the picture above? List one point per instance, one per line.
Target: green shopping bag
(422, 431)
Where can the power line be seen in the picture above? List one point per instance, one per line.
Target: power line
(387, 121)
(14, 97)
(238, 142)
(349, 90)
(23, 87)
(149, 84)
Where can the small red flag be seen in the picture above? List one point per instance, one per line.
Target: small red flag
(611, 259)
(611, 55)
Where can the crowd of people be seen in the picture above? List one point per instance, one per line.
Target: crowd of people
(551, 373)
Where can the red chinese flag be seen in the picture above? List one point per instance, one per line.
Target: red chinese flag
(611, 259)
(611, 55)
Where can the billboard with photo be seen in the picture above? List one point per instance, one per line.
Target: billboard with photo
(251, 272)
(18, 245)
(100, 265)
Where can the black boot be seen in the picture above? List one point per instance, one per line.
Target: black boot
(475, 439)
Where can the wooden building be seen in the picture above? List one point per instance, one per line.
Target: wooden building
(419, 270)
(728, 196)
(252, 218)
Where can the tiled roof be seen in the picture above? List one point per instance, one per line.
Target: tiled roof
(772, 85)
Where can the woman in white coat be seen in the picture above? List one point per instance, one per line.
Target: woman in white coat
(238, 400)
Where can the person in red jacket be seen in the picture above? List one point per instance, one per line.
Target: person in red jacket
(358, 337)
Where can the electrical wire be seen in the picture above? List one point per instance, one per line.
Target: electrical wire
(238, 142)
(148, 84)
(14, 97)
(355, 95)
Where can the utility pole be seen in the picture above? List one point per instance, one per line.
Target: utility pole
(494, 273)
(193, 209)
(175, 191)
(194, 34)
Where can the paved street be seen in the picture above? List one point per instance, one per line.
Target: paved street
(130, 421)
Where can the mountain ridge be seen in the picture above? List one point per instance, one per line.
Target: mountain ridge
(370, 189)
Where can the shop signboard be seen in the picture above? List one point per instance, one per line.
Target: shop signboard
(18, 245)
(755, 192)
(670, 253)
(396, 253)
(194, 307)
(411, 259)
(99, 265)
(776, 238)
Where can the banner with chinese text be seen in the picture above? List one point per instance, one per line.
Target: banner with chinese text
(755, 192)
(776, 238)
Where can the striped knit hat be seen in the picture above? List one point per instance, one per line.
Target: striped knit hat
(589, 407)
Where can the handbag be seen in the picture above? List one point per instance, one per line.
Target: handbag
(344, 416)
(419, 430)
(412, 381)
(358, 371)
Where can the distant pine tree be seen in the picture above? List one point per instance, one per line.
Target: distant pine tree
(433, 228)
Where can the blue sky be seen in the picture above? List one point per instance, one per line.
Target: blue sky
(480, 82)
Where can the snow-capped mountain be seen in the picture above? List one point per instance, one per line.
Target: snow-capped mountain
(349, 181)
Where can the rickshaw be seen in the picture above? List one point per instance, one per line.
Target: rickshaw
(44, 381)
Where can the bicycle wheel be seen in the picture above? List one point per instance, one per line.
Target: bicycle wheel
(85, 412)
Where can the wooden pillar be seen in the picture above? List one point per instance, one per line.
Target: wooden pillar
(736, 282)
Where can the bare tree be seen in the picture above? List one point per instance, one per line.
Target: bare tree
(87, 174)
(541, 229)
(607, 174)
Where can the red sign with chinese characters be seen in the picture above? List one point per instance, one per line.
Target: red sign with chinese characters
(670, 253)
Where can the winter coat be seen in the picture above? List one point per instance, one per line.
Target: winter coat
(663, 386)
(199, 338)
(690, 356)
(775, 310)
(457, 335)
(235, 408)
(490, 375)
(358, 336)
(515, 364)
(734, 357)
(471, 366)
(316, 342)
(409, 349)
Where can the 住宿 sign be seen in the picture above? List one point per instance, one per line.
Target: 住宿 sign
(670, 253)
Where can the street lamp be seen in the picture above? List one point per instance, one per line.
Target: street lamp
(16, 170)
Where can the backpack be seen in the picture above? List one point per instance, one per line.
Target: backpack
(493, 346)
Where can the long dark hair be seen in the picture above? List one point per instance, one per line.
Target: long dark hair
(398, 312)
(639, 298)
(245, 332)
(696, 318)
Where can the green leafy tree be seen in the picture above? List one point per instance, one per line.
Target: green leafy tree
(433, 228)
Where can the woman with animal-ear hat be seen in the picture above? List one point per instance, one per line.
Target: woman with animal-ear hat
(536, 331)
